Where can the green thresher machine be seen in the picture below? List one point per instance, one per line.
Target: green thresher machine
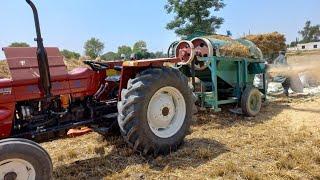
(225, 70)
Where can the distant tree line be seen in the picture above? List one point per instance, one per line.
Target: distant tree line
(310, 33)
(19, 44)
(139, 50)
(93, 49)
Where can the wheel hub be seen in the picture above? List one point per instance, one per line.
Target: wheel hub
(12, 169)
(166, 112)
(161, 110)
(10, 176)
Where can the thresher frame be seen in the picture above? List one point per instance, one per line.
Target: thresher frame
(211, 98)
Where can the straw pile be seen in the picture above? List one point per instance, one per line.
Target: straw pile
(234, 49)
(220, 37)
(270, 44)
(4, 70)
(74, 63)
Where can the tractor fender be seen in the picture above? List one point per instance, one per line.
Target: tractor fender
(131, 68)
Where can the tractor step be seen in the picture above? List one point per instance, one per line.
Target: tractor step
(102, 130)
(110, 116)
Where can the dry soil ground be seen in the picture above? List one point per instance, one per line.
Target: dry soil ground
(283, 142)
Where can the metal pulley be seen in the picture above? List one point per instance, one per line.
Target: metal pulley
(203, 48)
(185, 52)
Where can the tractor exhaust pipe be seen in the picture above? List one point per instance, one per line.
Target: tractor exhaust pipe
(45, 81)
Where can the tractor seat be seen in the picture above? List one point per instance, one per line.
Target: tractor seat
(80, 73)
(5, 83)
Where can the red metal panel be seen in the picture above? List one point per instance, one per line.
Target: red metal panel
(151, 62)
(23, 65)
(26, 52)
(80, 73)
(27, 92)
(6, 119)
(60, 88)
(79, 85)
(6, 93)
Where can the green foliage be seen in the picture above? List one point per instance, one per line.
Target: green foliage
(109, 56)
(93, 48)
(140, 46)
(160, 54)
(139, 49)
(194, 16)
(19, 44)
(124, 50)
(293, 44)
(70, 54)
(310, 33)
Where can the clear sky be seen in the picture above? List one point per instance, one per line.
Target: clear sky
(69, 23)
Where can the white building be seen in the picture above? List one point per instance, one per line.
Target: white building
(306, 47)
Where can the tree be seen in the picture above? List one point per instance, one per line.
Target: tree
(70, 54)
(310, 33)
(159, 54)
(19, 44)
(194, 16)
(140, 46)
(109, 56)
(124, 50)
(93, 48)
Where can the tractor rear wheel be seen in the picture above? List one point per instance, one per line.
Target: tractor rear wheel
(155, 111)
(251, 101)
(24, 159)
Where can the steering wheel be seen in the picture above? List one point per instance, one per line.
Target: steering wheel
(96, 66)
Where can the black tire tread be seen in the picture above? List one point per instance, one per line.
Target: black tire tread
(129, 106)
(18, 146)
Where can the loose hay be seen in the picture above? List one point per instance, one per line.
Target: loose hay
(232, 48)
(270, 43)
(220, 37)
(4, 70)
(235, 49)
(283, 142)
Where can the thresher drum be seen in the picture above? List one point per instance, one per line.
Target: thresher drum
(225, 69)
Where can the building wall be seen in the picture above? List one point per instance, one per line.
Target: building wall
(308, 46)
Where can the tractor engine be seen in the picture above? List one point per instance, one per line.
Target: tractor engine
(34, 116)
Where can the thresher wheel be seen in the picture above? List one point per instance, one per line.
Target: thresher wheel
(251, 101)
(155, 111)
(24, 159)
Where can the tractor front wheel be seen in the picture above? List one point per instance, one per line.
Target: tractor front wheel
(155, 111)
(251, 101)
(24, 159)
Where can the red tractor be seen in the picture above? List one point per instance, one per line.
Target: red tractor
(150, 103)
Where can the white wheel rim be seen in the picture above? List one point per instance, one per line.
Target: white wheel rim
(166, 112)
(22, 169)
